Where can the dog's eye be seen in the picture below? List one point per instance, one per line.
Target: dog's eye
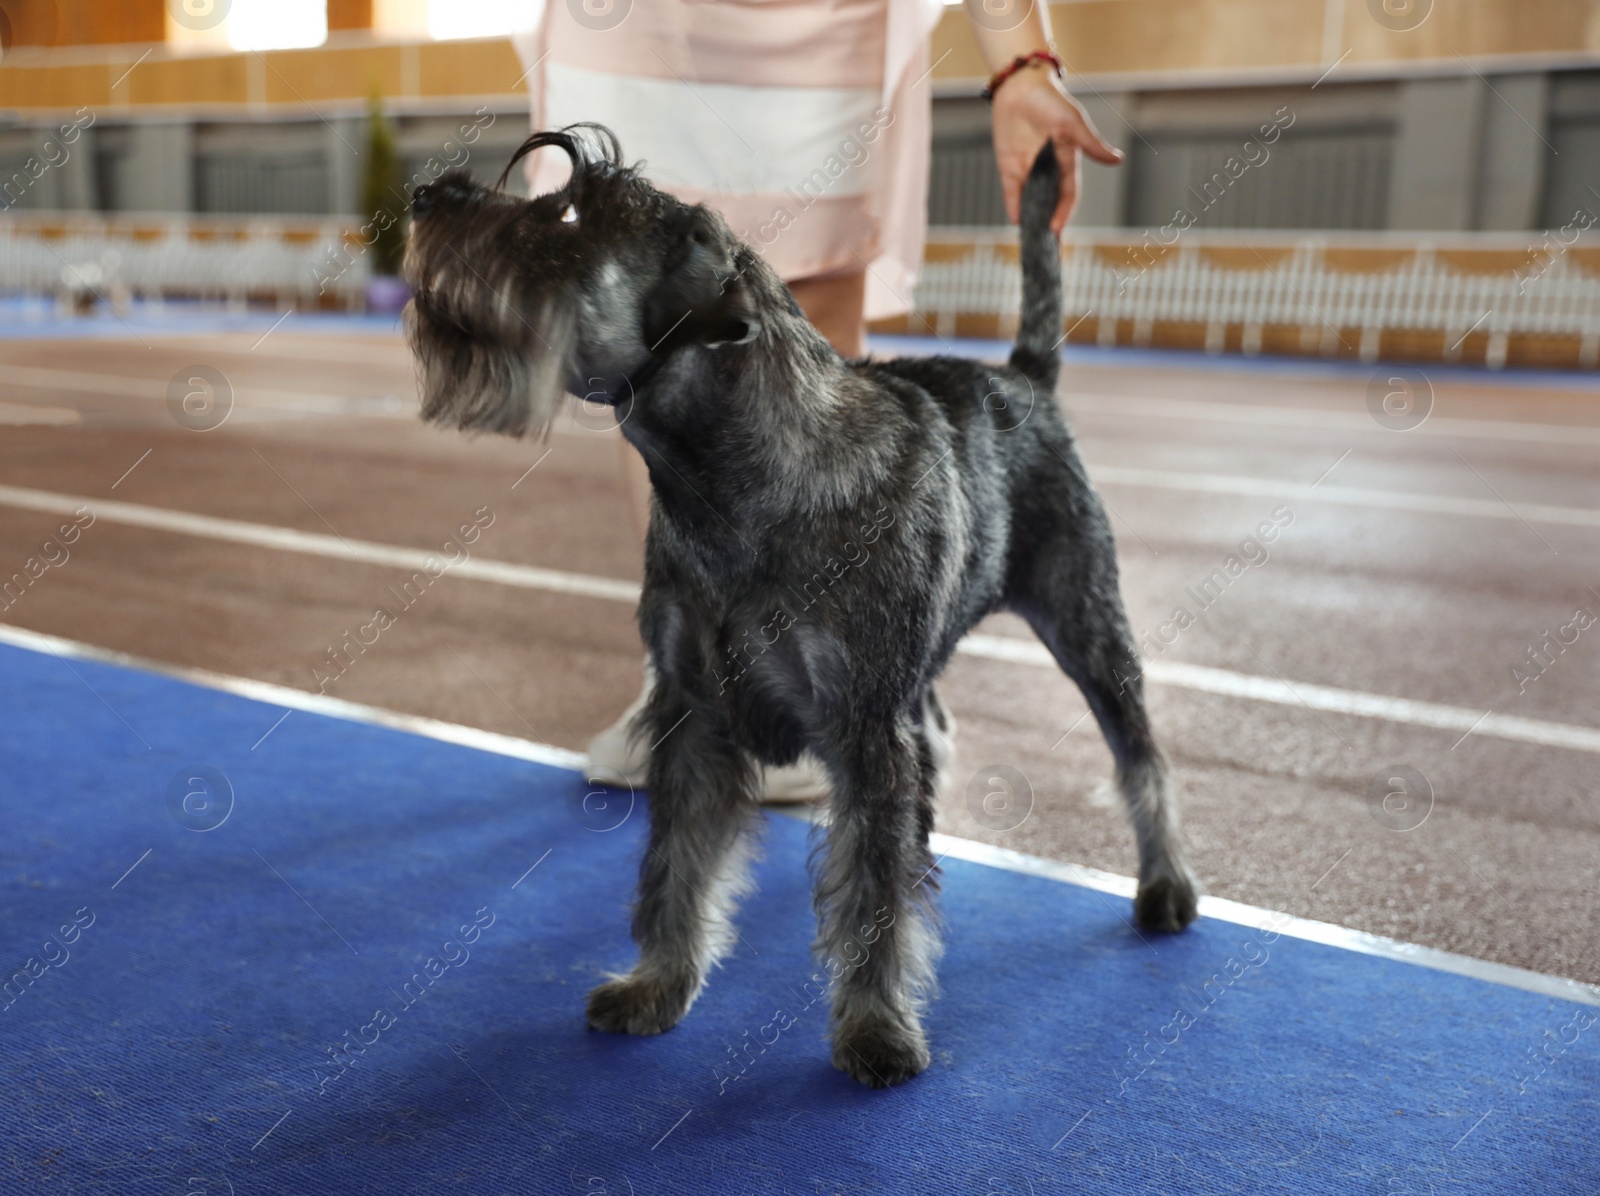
(569, 214)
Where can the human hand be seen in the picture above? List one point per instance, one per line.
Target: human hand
(1030, 108)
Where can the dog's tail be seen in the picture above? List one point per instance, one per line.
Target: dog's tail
(1039, 330)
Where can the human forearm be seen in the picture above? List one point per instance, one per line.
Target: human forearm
(1031, 104)
(1007, 29)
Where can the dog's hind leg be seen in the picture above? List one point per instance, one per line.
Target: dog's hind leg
(694, 869)
(938, 735)
(1073, 604)
(876, 934)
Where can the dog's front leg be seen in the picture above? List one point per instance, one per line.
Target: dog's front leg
(876, 934)
(694, 868)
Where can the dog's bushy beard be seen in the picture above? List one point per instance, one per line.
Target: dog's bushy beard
(489, 357)
(514, 388)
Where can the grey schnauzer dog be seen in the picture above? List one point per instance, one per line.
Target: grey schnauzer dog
(822, 533)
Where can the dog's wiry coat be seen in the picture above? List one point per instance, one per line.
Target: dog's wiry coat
(822, 534)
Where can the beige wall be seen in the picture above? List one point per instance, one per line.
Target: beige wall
(1211, 36)
(75, 22)
(342, 74)
(1151, 39)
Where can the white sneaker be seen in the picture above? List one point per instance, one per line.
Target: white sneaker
(620, 757)
(804, 780)
(807, 781)
(941, 726)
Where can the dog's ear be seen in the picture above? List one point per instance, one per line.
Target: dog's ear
(704, 297)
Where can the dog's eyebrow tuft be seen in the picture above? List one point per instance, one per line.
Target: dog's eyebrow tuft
(584, 144)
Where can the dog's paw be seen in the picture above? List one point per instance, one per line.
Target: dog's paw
(880, 1054)
(1166, 904)
(636, 1004)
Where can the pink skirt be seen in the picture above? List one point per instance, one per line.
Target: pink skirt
(806, 123)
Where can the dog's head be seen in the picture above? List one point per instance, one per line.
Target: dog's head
(584, 290)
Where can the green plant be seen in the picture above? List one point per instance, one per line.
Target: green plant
(382, 196)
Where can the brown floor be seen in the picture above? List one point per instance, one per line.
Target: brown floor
(1424, 606)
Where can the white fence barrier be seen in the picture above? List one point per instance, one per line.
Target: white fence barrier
(1490, 298)
(309, 263)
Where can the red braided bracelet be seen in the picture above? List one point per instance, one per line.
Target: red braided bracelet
(1018, 63)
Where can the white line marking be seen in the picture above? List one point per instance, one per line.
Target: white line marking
(315, 544)
(1470, 730)
(301, 497)
(21, 414)
(492, 690)
(1285, 681)
(1144, 407)
(1136, 406)
(929, 872)
(296, 699)
(1349, 496)
(535, 864)
(136, 863)
(1490, 488)
(1237, 913)
(105, 703)
(380, 349)
(1183, 676)
(1318, 697)
(947, 846)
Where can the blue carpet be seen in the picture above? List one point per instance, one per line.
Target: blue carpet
(35, 318)
(175, 1037)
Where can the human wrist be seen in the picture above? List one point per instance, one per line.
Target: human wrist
(1035, 66)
